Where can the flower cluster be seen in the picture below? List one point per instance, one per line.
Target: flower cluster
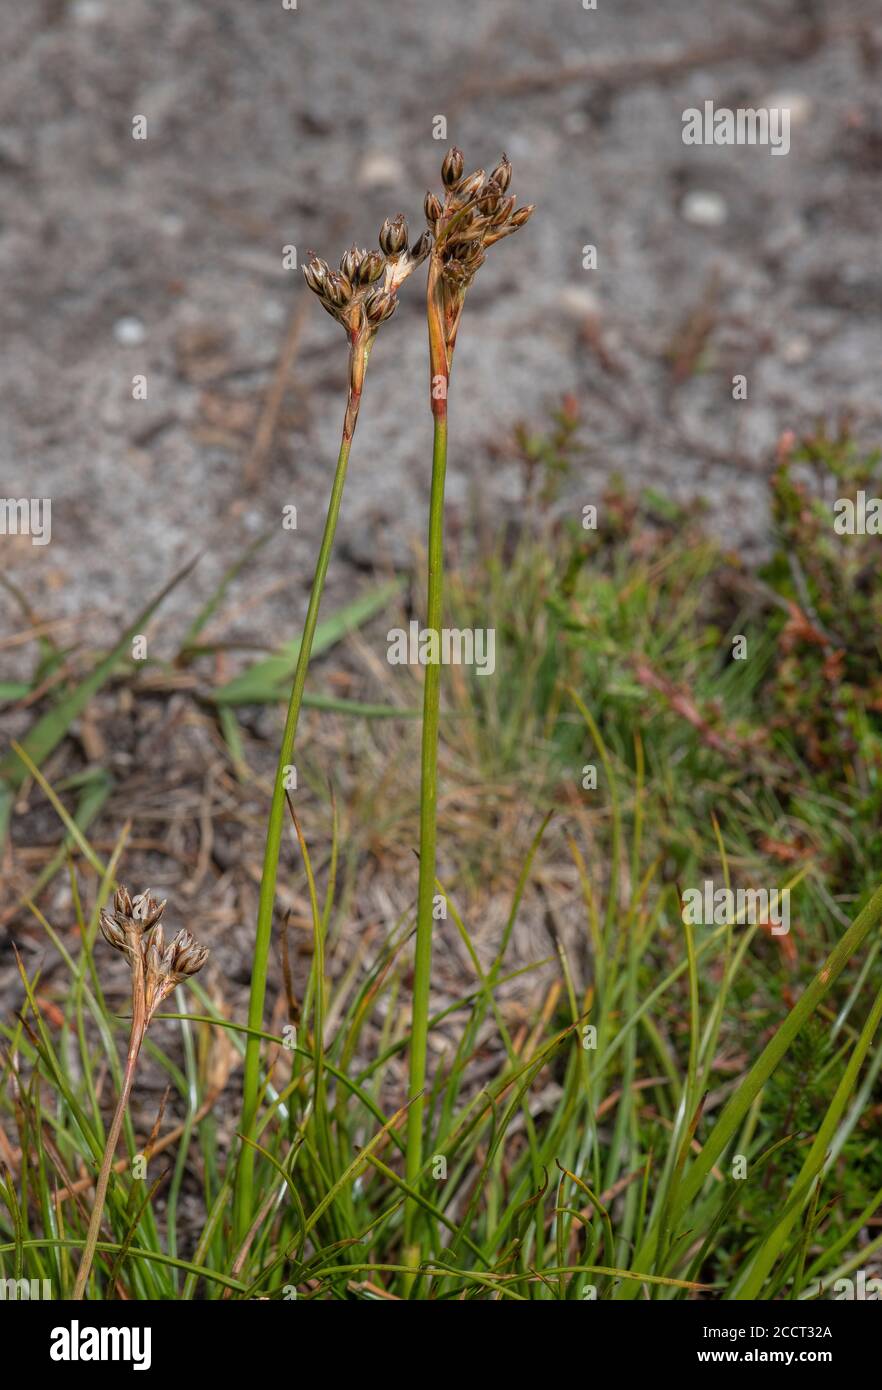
(363, 293)
(133, 928)
(477, 211)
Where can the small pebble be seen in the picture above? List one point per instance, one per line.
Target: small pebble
(129, 331)
(88, 11)
(704, 209)
(578, 303)
(796, 103)
(796, 350)
(171, 224)
(380, 170)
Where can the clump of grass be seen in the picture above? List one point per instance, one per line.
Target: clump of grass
(577, 1164)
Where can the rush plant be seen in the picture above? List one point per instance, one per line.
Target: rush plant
(475, 213)
(361, 296)
(134, 929)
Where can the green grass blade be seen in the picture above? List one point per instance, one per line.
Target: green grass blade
(47, 733)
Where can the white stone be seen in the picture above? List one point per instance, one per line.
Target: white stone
(796, 103)
(380, 170)
(88, 11)
(704, 209)
(578, 303)
(129, 331)
(796, 350)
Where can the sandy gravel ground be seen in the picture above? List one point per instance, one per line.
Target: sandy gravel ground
(269, 127)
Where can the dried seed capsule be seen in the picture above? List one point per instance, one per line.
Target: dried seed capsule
(451, 169)
(502, 173)
(472, 256)
(523, 215)
(455, 273)
(421, 248)
(188, 956)
(503, 212)
(350, 262)
(433, 208)
(338, 289)
(379, 306)
(315, 273)
(469, 187)
(123, 902)
(312, 279)
(393, 235)
(472, 230)
(153, 953)
(146, 910)
(490, 198)
(112, 932)
(371, 268)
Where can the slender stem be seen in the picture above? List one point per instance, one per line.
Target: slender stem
(428, 827)
(359, 352)
(136, 1038)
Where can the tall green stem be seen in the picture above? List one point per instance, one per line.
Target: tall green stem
(428, 827)
(243, 1206)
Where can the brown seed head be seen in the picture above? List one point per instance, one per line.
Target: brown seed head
(467, 189)
(456, 274)
(371, 268)
(472, 256)
(313, 278)
(135, 929)
(393, 235)
(522, 215)
(167, 966)
(112, 932)
(434, 209)
(502, 173)
(153, 952)
(451, 169)
(475, 214)
(490, 198)
(350, 262)
(503, 211)
(338, 288)
(189, 957)
(421, 248)
(379, 306)
(361, 295)
(146, 910)
(130, 920)
(123, 902)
